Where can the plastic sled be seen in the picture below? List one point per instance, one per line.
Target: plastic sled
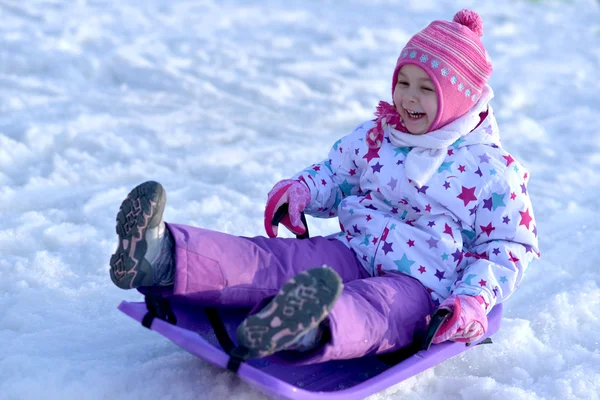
(207, 332)
(343, 380)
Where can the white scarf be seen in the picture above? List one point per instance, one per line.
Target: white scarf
(429, 150)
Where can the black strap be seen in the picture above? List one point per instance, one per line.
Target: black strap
(437, 320)
(484, 341)
(421, 341)
(280, 213)
(237, 354)
(217, 324)
(158, 307)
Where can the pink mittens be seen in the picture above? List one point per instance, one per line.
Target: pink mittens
(468, 322)
(297, 195)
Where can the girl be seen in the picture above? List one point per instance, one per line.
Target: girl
(433, 213)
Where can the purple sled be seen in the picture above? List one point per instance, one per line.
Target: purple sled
(339, 380)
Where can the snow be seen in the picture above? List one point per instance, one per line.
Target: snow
(220, 99)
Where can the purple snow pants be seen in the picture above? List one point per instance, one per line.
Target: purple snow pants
(373, 315)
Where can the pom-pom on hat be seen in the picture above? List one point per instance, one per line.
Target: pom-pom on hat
(456, 61)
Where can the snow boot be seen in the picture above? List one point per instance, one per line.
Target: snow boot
(144, 253)
(300, 306)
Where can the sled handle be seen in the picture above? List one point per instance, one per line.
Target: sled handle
(281, 212)
(437, 320)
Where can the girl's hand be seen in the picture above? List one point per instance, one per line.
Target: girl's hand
(468, 322)
(297, 196)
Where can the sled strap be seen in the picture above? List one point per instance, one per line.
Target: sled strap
(421, 341)
(484, 341)
(237, 354)
(281, 212)
(217, 324)
(158, 307)
(437, 320)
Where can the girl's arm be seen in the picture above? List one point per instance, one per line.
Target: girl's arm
(336, 177)
(505, 241)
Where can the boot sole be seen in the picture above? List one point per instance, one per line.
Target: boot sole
(301, 304)
(141, 209)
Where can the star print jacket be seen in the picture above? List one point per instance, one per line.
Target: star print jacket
(469, 230)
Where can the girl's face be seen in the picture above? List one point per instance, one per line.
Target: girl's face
(415, 99)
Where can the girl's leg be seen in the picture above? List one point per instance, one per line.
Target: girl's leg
(220, 269)
(372, 316)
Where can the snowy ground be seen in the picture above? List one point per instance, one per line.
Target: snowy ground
(206, 97)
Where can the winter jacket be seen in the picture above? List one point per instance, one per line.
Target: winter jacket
(469, 230)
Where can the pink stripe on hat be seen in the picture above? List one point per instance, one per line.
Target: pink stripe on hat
(456, 61)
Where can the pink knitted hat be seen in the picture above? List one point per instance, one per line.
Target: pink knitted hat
(454, 58)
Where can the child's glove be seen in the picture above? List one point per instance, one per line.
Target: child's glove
(468, 322)
(297, 195)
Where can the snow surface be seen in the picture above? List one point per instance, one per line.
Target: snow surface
(220, 99)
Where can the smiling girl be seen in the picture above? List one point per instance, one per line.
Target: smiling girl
(433, 213)
(416, 99)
